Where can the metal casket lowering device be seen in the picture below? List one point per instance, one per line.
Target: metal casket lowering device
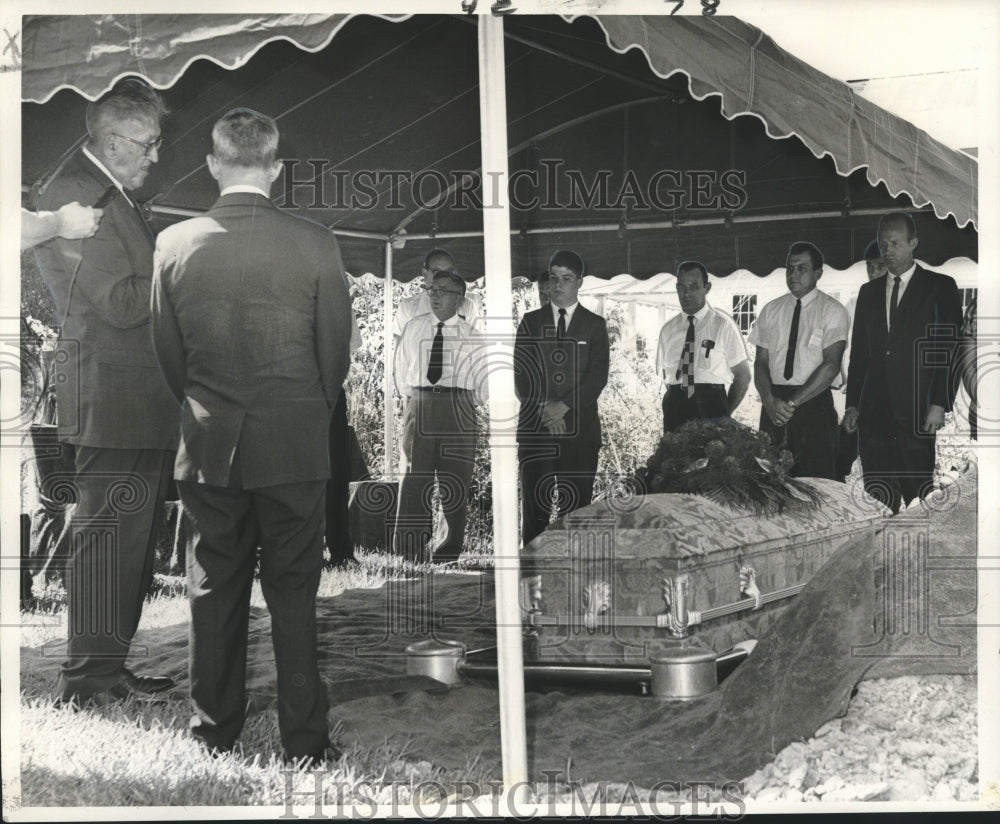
(682, 674)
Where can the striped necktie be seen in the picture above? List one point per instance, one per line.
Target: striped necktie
(685, 372)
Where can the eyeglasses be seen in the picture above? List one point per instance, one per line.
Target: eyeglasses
(146, 147)
(437, 290)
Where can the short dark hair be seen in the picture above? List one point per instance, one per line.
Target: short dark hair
(246, 138)
(872, 251)
(451, 275)
(899, 219)
(129, 99)
(544, 277)
(439, 254)
(804, 247)
(694, 264)
(569, 260)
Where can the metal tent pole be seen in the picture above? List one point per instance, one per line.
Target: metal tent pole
(388, 405)
(502, 408)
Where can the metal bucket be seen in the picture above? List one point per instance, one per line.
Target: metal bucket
(435, 659)
(684, 674)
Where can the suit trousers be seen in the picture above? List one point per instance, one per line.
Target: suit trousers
(897, 462)
(338, 488)
(810, 435)
(442, 447)
(847, 453)
(564, 465)
(120, 495)
(227, 525)
(708, 401)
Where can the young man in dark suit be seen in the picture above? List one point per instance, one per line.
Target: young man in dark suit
(252, 324)
(112, 405)
(561, 354)
(906, 327)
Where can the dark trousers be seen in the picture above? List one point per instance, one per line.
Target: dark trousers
(338, 488)
(565, 465)
(897, 462)
(441, 447)
(708, 401)
(48, 547)
(847, 453)
(120, 495)
(810, 435)
(228, 524)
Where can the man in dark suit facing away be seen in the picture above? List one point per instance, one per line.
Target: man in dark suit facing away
(251, 325)
(112, 407)
(906, 327)
(561, 354)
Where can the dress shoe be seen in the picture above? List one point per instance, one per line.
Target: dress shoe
(119, 692)
(330, 754)
(147, 683)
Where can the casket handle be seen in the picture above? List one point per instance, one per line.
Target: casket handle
(748, 586)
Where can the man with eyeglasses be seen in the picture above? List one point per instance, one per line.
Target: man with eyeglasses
(436, 260)
(112, 404)
(438, 367)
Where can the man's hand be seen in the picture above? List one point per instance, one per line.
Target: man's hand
(554, 412)
(779, 411)
(556, 427)
(76, 221)
(850, 422)
(935, 418)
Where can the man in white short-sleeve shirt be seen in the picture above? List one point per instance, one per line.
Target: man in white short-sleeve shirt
(800, 339)
(438, 366)
(700, 351)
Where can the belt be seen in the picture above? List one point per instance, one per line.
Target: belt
(698, 386)
(437, 390)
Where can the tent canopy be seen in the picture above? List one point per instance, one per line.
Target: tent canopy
(637, 141)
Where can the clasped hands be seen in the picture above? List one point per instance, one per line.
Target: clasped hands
(779, 411)
(554, 417)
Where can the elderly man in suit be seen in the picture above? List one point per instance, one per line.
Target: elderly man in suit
(906, 328)
(561, 354)
(112, 405)
(252, 324)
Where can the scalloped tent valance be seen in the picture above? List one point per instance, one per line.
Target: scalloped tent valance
(621, 132)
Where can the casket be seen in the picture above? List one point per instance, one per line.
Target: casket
(621, 581)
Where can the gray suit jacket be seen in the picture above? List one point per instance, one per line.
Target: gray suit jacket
(109, 392)
(252, 326)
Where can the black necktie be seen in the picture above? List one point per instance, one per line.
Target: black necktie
(436, 365)
(793, 338)
(894, 302)
(686, 370)
(561, 328)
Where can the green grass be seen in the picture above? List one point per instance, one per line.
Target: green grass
(140, 754)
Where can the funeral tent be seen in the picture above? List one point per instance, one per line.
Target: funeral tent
(637, 141)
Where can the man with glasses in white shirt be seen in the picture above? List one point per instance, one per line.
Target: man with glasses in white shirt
(439, 368)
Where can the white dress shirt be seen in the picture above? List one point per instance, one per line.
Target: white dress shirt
(570, 311)
(718, 346)
(890, 281)
(822, 322)
(462, 362)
